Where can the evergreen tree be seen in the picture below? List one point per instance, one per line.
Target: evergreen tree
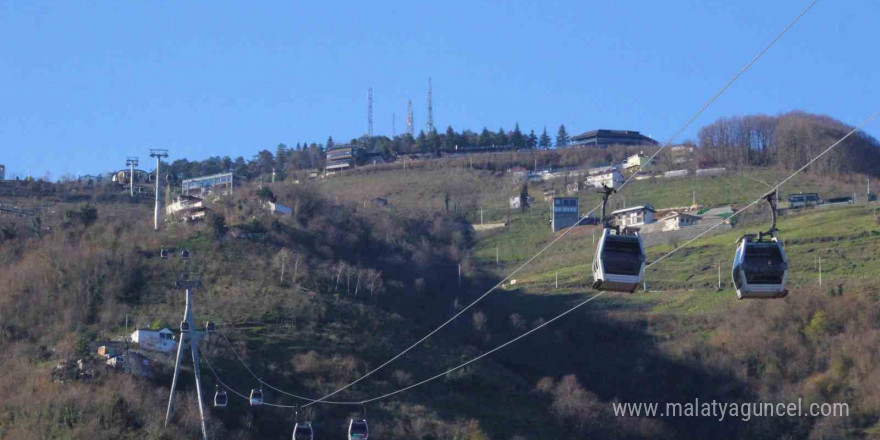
(485, 139)
(517, 138)
(281, 155)
(422, 141)
(449, 141)
(545, 142)
(501, 138)
(330, 143)
(561, 137)
(532, 140)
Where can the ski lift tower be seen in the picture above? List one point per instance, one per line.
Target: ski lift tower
(158, 154)
(188, 331)
(131, 162)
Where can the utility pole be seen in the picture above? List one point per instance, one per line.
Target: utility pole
(481, 215)
(459, 274)
(188, 332)
(273, 175)
(719, 275)
(497, 261)
(694, 198)
(158, 154)
(557, 279)
(131, 162)
(820, 271)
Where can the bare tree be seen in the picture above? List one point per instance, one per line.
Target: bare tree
(280, 261)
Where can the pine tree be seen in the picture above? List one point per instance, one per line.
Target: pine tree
(545, 142)
(532, 140)
(517, 138)
(485, 138)
(501, 138)
(449, 141)
(330, 143)
(561, 137)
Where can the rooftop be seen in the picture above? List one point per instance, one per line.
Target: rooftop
(646, 206)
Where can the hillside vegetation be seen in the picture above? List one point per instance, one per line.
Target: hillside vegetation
(313, 300)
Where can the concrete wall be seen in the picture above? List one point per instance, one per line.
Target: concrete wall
(655, 238)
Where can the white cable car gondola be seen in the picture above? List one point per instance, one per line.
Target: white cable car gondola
(256, 398)
(619, 262)
(163, 253)
(358, 429)
(210, 327)
(184, 326)
(760, 267)
(220, 398)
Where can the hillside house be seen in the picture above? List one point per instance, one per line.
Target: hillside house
(278, 208)
(186, 208)
(603, 138)
(634, 216)
(156, 340)
(611, 179)
(803, 200)
(339, 158)
(636, 162)
(573, 187)
(677, 220)
(520, 201)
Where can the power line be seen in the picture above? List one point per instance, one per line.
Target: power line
(678, 132)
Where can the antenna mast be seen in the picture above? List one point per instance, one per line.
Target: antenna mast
(429, 123)
(370, 113)
(409, 118)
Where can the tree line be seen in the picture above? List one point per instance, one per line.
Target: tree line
(788, 141)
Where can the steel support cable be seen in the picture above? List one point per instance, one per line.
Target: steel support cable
(774, 188)
(544, 249)
(578, 305)
(262, 382)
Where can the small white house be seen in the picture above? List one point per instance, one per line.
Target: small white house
(156, 340)
(677, 220)
(611, 179)
(634, 216)
(635, 161)
(278, 208)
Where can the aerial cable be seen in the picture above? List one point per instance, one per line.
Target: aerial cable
(702, 109)
(778, 185)
(578, 305)
(561, 315)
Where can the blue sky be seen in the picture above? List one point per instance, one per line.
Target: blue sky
(85, 84)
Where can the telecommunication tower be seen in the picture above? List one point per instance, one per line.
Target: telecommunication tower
(429, 123)
(370, 112)
(409, 118)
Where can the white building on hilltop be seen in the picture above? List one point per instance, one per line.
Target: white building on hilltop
(611, 179)
(156, 340)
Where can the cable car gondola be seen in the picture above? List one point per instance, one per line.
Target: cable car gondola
(256, 398)
(163, 253)
(303, 431)
(210, 327)
(619, 262)
(220, 398)
(184, 326)
(358, 429)
(760, 267)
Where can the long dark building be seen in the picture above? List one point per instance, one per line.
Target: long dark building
(603, 138)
